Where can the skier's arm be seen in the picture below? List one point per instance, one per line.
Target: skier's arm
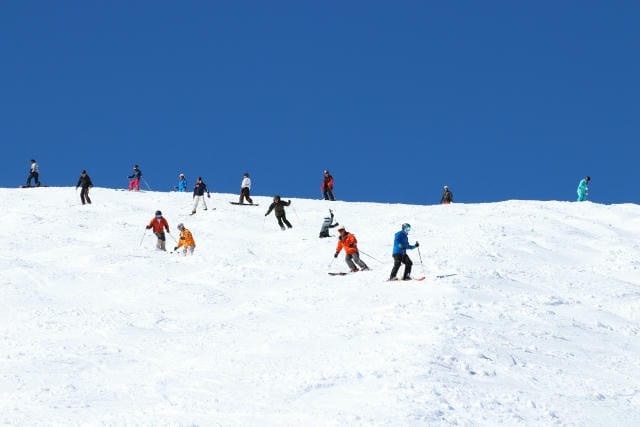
(270, 209)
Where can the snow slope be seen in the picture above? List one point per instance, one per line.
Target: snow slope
(535, 322)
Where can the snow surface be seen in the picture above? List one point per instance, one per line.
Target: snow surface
(535, 322)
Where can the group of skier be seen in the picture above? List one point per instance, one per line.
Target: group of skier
(159, 225)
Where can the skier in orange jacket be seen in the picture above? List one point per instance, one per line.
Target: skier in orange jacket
(349, 242)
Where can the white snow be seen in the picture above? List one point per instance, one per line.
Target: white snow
(536, 322)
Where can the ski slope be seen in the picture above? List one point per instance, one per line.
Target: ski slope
(536, 320)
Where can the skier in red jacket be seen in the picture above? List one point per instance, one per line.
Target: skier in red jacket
(327, 186)
(159, 224)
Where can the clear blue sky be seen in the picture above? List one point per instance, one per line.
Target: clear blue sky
(498, 99)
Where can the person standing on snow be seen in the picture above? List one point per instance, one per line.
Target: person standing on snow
(182, 183)
(327, 224)
(159, 224)
(447, 196)
(134, 184)
(34, 174)
(349, 242)
(327, 186)
(245, 189)
(400, 246)
(583, 188)
(281, 216)
(85, 182)
(185, 241)
(198, 194)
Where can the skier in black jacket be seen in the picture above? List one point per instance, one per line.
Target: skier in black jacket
(85, 182)
(281, 216)
(447, 196)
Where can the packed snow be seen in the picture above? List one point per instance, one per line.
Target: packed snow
(529, 314)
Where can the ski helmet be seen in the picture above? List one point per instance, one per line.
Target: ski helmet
(276, 197)
(446, 188)
(180, 226)
(84, 172)
(246, 174)
(341, 228)
(158, 213)
(588, 178)
(181, 175)
(406, 227)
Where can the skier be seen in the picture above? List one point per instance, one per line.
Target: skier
(33, 173)
(185, 241)
(182, 183)
(85, 182)
(327, 186)
(349, 242)
(281, 216)
(159, 224)
(327, 224)
(198, 194)
(135, 179)
(447, 196)
(245, 189)
(583, 188)
(400, 246)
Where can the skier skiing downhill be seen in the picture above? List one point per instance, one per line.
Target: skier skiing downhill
(245, 189)
(134, 184)
(327, 224)
(159, 224)
(85, 182)
(400, 246)
(198, 194)
(185, 241)
(281, 215)
(583, 188)
(349, 242)
(182, 183)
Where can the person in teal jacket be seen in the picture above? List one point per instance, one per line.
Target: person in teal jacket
(583, 189)
(182, 183)
(400, 246)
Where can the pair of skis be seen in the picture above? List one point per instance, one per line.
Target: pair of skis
(343, 273)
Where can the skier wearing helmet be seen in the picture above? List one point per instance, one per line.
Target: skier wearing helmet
(185, 241)
(400, 246)
(182, 183)
(159, 224)
(349, 242)
(447, 196)
(281, 215)
(327, 186)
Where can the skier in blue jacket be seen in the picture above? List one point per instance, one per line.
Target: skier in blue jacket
(583, 188)
(182, 183)
(400, 246)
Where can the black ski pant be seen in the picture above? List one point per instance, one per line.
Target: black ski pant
(33, 175)
(283, 219)
(84, 195)
(328, 194)
(244, 194)
(401, 259)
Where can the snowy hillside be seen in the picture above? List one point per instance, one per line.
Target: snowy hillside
(535, 319)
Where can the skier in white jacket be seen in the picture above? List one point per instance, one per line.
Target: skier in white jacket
(245, 189)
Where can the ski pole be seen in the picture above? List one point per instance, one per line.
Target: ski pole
(143, 236)
(331, 263)
(364, 253)
(174, 239)
(421, 264)
(296, 212)
(146, 183)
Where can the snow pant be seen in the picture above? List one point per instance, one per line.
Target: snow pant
(196, 202)
(355, 257)
(324, 232)
(244, 194)
(188, 250)
(84, 195)
(160, 244)
(34, 176)
(401, 259)
(582, 196)
(328, 194)
(134, 184)
(282, 220)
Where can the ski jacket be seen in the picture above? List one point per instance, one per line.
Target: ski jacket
(186, 239)
(401, 243)
(84, 181)
(158, 224)
(583, 187)
(279, 207)
(34, 167)
(182, 185)
(348, 242)
(246, 183)
(447, 197)
(200, 189)
(327, 182)
(137, 174)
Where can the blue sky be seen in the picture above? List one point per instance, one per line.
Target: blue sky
(497, 99)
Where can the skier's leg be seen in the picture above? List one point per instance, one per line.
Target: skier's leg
(397, 260)
(279, 218)
(407, 266)
(349, 262)
(196, 200)
(361, 264)
(284, 218)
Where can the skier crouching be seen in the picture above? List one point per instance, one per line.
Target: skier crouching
(349, 242)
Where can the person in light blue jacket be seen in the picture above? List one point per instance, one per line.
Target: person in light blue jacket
(583, 189)
(400, 246)
(182, 183)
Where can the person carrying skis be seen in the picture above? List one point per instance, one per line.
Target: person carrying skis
(134, 184)
(278, 205)
(400, 246)
(182, 183)
(583, 188)
(198, 194)
(447, 196)
(245, 189)
(159, 224)
(327, 186)
(349, 242)
(34, 174)
(327, 224)
(185, 241)
(85, 182)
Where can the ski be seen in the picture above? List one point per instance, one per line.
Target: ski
(413, 279)
(341, 273)
(244, 204)
(32, 186)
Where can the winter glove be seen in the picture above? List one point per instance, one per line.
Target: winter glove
(289, 201)
(209, 195)
(266, 214)
(148, 227)
(175, 249)
(76, 188)
(417, 244)
(335, 255)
